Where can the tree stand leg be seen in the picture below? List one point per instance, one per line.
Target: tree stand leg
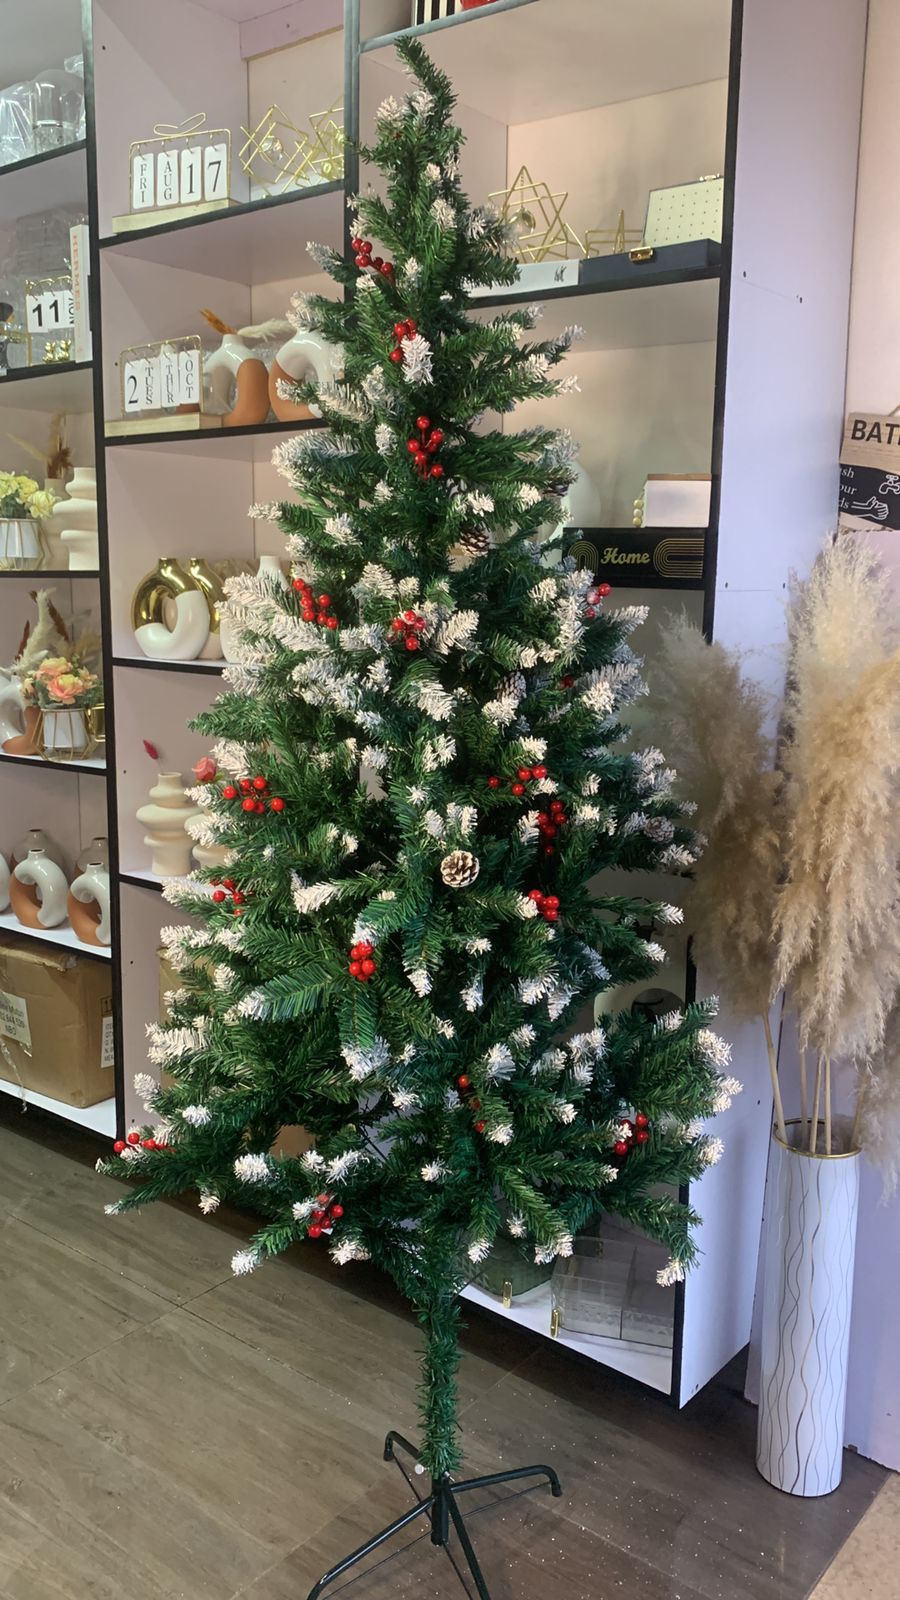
(442, 1511)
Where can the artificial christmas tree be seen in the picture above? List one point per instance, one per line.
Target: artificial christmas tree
(420, 772)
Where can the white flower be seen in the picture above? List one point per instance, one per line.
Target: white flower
(209, 1202)
(197, 1116)
(432, 1170)
(501, 1134)
(479, 1249)
(672, 1272)
(245, 1261)
(253, 1169)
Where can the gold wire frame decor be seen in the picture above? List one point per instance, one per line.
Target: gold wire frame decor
(541, 232)
(70, 733)
(49, 319)
(612, 241)
(277, 155)
(181, 169)
(162, 381)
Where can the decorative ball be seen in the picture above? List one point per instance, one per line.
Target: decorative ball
(276, 804)
(460, 869)
(536, 895)
(361, 260)
(551, 902)
(412, 642)
(148, 1144)
(356, 244)
(246, 786)
(229, 792)
(603, 589)
(539, 772)
(396, 356)
(399, 330)
(413, 446)
(524, 774)
(435, 438)
(550, 913)
(368, 967)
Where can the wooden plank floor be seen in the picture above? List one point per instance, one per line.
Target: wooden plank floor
(170, 1433)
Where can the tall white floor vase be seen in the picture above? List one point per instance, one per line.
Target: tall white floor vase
(811, 1206)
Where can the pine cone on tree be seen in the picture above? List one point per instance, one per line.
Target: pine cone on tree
(460, 869)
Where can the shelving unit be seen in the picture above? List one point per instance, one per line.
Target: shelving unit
(602, 101)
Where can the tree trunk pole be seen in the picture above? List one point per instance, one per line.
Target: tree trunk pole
(776, 1086)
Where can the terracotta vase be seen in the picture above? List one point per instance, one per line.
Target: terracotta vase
(88, 905)
(38, 892)
(165, 818)
(307, 356)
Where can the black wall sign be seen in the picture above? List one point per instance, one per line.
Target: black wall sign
(641, 558)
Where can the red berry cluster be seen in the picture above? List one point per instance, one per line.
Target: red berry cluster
(314, 608)
(327, 1213)
(523, 775)
(222, 891)
(550, 823)
(134, 1138)
(567, 681)
(361, 964)
(409, 626)
(547, 904)
(403, 330)
(428, 444)
(593, 598)
(464, 1084)
(362, 255)
(638, 1133)
(253, 794)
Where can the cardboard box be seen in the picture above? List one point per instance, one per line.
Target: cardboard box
(55, 1023)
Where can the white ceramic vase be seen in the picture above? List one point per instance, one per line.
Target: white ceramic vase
(229, 632)
(11, 707)
(39, 873)
(164, 819)
(211, 855)
(20, 544)
(37, 839)
(811, 1211)
(77, 520)
(185, 639)
(64, 733)
(89, 890)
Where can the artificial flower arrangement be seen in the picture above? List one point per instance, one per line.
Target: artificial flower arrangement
(61, 681)
(20, 497)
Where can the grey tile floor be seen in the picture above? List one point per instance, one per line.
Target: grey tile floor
(170, 1433)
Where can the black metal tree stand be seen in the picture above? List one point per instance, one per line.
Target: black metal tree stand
(442, 1511)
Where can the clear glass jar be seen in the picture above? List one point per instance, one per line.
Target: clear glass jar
(57, 105)
(16, 137)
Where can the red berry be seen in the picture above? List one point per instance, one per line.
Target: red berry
(378, 262)
(354, 969)
(412, 327)
(246, 786)
(479, 1127)
(409, 616)
(366, 949)
(435, 439)
(308, 614)
(368, 967)
(549, 850)
(517, 788)
(437, 470)
(276, 804)
(388, 269)
(397, 625)
(421, 460)
(337, 1211)
(549, 913)
(641, 1120)
(620, 1148)
(567, 681)
(229, 792)
(259, 807)
(249, 804)
(299, 585)
(323, 1199)
(412, 642)
(119, 1146)
(331, 622)
(642, 1136)
(419, 624)
(356, 244)
(259, 783)
(555, 805)
(315, 1230)
(464, 1080)
(536, 895)
(148, 1144)
(413, 446)
(493, 783)
(590, 613)
(133, 1137)
(238, 898)
(361, 260)
(399, 330)
(324, 601)
(423, 424)
(603, 589)
(396, 356)
(552, 902)
(227, 883)
(219, 896)
(524, 774)
(237, 911)
(318, 1215)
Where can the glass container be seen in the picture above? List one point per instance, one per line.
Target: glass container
(590, 1287)
(16, 137)
(508, 1272)
(57, 107)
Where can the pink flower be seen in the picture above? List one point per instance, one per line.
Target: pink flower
(205, 769)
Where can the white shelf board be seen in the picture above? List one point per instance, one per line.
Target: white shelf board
(62, 935)
(646, 1363)
(101, 1116)
(523, 62)
(253, 244)
(47, 388)
(81, 764)
(626, 319)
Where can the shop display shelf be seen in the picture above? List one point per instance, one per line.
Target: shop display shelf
(142, 880)
(237, 442)
(527, 60)
(679, 307)
(39, 183)
(62, 936)
(38, 574)
(56, 386)
(95, 764)
(145, 663)
(258, 241)
(100, 1117)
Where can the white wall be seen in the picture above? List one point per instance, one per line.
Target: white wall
(873, 384)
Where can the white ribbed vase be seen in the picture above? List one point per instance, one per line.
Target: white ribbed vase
(811, 1210)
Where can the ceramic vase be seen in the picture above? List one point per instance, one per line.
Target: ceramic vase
(170, 614)
(76, 518)
(4, 883)
(213, 591)
(21, 544)
(37, 839)
(234, 371)
(211, 855)
(811, 1211)
(96, 854)
(304, 358)
(38, 891)
(64, 734)
(268, 567)
(19, 724)
(164, 819)
(88, 905)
